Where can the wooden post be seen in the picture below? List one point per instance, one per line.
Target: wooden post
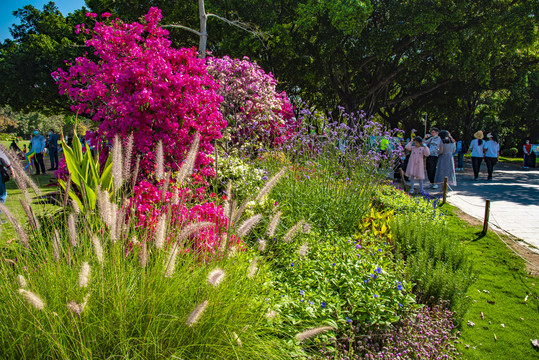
(444, 190)
(487, 213)
(402, 179)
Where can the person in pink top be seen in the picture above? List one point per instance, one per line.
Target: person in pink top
(416, 165)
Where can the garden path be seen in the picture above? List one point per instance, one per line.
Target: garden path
(514, 199)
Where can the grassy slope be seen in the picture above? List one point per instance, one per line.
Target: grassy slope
(502, 274)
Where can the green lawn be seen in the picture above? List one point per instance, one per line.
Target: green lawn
(499, 294)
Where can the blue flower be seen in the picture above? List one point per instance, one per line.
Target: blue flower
(310, 302)
(302, 300)
(401, 305)
(323, 304)
(292, 265)
(379, 250)
(373, 276)
(375, 295)
(358, 246)
(333, 264)
(301, 292)
(378, 270)
(366, 281)
(399, 287)
(348, 320)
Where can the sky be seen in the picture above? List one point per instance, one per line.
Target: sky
(8, 6)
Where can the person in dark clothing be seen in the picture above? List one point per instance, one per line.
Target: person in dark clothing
(433, 143)
(53, 149)
(38, 146)
(13, 146)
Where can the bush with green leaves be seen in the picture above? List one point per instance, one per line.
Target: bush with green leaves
(330, 279)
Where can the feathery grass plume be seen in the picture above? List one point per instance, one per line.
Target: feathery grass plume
(84, 275)
(293, 230)
(232, 250)
(32, 299)
(164, 188)
(215, 277)
(306, 228)
(76, 308)
(159, 161)
(143, 255)
(248, 225)
(239, 212)
(56, 246)
(192, 228)
(98, 249)
(231, 212)
(262, 244)
(187, 167)
(171, 261)
(271, 314)
(23, 237)
(270, 184)
(68, 189)
(72, 229)
(117, 168)
(196, 314)
(19, 171)
(273, 224)
(120, 224)
(21, 280)
(135, 173)
(128, 155)
(303, 250)
(313, 332)
(75, 207)
(228, 192)
(160, 231)
(32, 220)
(252, 268)
(237, 338)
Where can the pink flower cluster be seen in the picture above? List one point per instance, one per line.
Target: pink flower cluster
(254, 109)
(140, 84)
(150, 204)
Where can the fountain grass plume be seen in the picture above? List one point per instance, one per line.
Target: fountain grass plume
(248, 225)
(143, 255)
(252, 268)
(72, 229)
(313, 332)
(303, 250)
(159, 161)
(273, 224)
(56, 245)
(192, 228)
(187, 167)
(117, 168)
(262, 244)
(215, 277)
(196, 314)
(228, 192)
(98, 249)
(33, 299)
(292, 232)
(75, 206)
(76, 308)
(21, 280)
(164, 187)
(237, 338)
(32, 220)
(239, 212)
(23, 236)
(160, 231)
(270, 184)
(170, 264)
(128, 155)
(66, 193)
(84, 275)
(135, 173)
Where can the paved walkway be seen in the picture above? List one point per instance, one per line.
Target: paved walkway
(513, 194)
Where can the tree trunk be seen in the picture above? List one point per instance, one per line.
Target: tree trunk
(203, 30)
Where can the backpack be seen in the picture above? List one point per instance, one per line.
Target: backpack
(3, 171)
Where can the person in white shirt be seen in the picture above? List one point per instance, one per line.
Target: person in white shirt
(433, 143)
(476, 148)
(492, 152)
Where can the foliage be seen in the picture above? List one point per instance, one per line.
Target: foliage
(512, 152)
(245, 178)
(338, 281)
(142, 85)
(257, 115)
(23, 124)
(423, 334)
(377, 224)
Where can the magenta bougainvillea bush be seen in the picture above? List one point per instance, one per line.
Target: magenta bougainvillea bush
(255, 111)
(135, 82)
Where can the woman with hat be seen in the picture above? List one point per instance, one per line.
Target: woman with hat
(446, 164)
(492, 151)
(476, 148)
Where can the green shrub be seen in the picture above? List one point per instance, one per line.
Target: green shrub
(512, 152)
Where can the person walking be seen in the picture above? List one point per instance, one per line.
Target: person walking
(416, 164)
(433, 143)
(37, 144)
(6, 167)
(446, 164)
(476, 148)
(53, 149)
(527, 149)
(492, 152)
(460, 155)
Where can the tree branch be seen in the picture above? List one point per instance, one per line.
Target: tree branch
(183, 27)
